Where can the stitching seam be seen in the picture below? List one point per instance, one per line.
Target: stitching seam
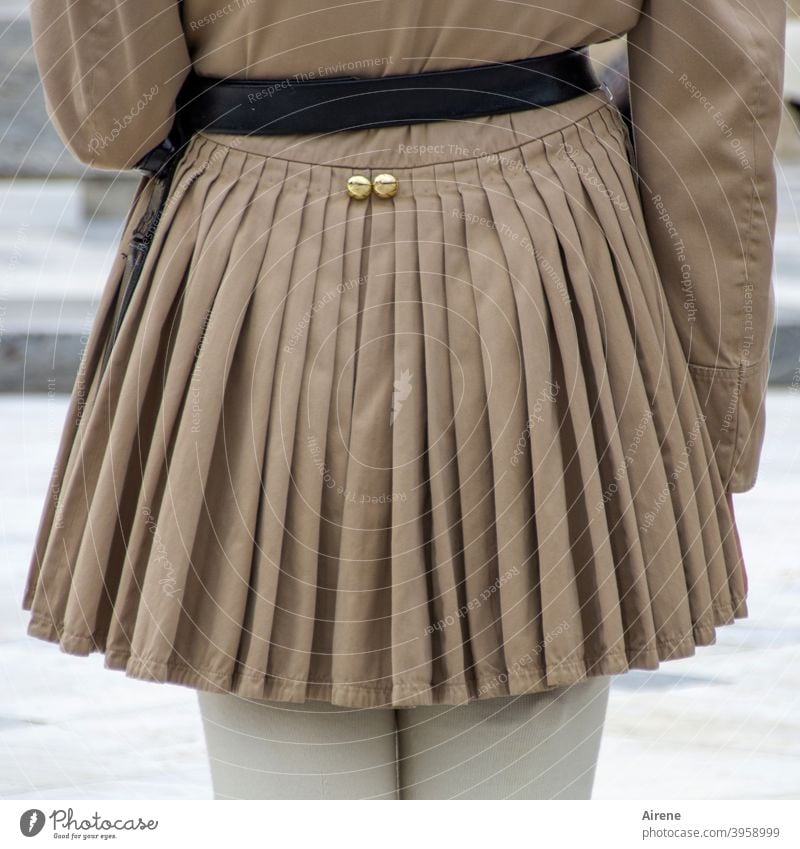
(211, 138)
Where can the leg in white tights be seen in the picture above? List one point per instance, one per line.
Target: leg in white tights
(537, 746)
(278, 750)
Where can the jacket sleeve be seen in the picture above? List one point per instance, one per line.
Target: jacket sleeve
(706, 82)
(110, 70)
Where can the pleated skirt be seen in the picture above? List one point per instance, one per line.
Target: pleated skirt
(424, 449)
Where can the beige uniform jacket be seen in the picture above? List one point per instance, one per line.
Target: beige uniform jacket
(705, 79)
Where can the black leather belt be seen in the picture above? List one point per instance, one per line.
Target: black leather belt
(331, 104)
(343, 103)
(279, 106)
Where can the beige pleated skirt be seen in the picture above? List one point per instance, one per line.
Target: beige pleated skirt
(414, 450)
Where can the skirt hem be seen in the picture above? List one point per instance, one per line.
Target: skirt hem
(260, 686)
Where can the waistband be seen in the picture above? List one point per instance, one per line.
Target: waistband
(413, 146)
(344, 104)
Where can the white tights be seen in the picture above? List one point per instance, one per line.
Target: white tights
(537, 746)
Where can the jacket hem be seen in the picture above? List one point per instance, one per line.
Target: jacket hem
(733, 401)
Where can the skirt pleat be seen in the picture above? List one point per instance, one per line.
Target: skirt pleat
(669, 594)
(701, 538)
(216, 470)
(252, 386)
(718, 533)
(258, 385)
(622, 398)
(446, 630)
(582, 625)
(594, 574)
(388, 452)
(409, 492)
(94, 502)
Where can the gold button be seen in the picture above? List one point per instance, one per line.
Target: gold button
(385, 185)
(359, 186)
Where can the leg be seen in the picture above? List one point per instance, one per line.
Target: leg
(536, 746)
(262, 749)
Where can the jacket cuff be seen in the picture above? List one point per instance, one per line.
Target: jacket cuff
(733, 402)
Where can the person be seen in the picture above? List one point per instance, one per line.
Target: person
(424, 415)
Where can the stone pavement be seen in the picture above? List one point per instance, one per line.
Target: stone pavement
(724, 724)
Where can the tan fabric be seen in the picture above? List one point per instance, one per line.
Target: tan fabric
(706, 78)
(416, 450)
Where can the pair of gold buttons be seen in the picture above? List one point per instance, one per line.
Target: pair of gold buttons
(384, 186)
